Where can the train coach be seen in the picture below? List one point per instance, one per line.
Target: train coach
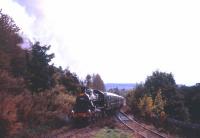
(112, 102)
(91, 104)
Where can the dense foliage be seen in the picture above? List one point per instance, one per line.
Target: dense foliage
(11, 55)
(33, 93)
(161, 98)
(39, 72)
(69, 80)
(192, 101)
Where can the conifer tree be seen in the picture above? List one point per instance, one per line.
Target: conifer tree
(12, 57)
(39, 71)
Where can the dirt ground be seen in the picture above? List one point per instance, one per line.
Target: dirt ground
(93, 129)
(87, 131)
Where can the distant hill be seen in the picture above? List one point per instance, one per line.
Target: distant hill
(126, 86)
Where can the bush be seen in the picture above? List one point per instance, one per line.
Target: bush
(48, 107)
(22, 110)
(9, 84)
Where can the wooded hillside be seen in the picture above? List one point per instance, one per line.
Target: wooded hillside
(34, 94)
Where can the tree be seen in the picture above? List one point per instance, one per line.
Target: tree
(160, 80)
(159, 104)
(12, 57)
(70, 81)
(88, 81)
(134, 96)
(97, 82)
(146, 105)
(191, 101)
(175, 108)
(8, 33)
(39, 71)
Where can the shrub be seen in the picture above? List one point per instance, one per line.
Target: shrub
(48, 107)
(19, 109)
(9, 84)
(146, 106)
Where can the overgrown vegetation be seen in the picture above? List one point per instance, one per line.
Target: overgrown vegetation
(33, 93)
(160, 99)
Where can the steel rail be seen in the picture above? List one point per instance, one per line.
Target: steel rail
(132, 129)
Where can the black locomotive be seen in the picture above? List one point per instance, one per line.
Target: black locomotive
(91, 104)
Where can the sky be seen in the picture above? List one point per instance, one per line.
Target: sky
(122, 40)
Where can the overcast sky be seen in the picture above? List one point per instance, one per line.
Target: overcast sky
(124, 41)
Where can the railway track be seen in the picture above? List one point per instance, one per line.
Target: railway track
(136, 127)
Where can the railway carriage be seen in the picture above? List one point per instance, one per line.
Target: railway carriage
(112, 101)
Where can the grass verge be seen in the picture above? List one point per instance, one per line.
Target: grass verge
(112, 133)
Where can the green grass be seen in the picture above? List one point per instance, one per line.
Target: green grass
(112, 133)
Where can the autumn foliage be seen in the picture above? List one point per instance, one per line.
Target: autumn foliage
(164, 103)
(31, 94)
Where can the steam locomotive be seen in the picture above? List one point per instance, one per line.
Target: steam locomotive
(92, 104)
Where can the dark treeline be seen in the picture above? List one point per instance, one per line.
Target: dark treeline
(160, 97)
(191, 96)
